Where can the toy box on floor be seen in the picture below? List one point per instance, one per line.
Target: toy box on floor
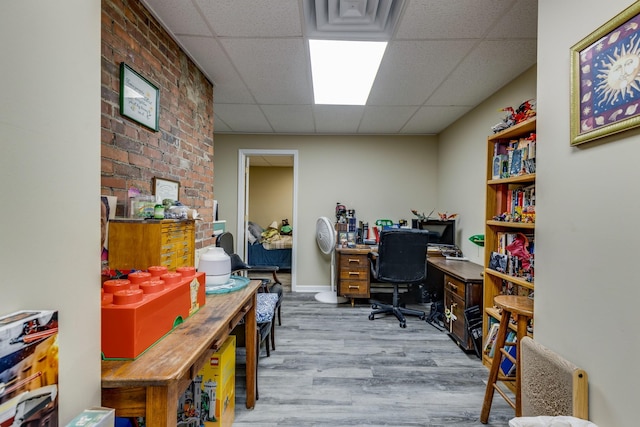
(29, 368)
(210, 399)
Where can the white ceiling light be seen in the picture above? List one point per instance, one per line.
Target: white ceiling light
(343, 71)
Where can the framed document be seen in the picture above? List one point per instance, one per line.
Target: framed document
(139, 98)
(166, 188)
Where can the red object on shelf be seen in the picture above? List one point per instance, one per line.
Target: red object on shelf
(129, 327)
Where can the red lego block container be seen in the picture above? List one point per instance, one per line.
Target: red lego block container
(137, 318)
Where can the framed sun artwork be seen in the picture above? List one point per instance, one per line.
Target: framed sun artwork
(605, 79)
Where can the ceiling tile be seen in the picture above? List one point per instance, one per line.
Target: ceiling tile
(485, 71)
(243, 118)
(412, 70)
(337, 119)
(385, 119)
(229, 87)
(446, 19)
(431, 120)
(290, 118)
(521, 21)
(219, 126)
(252, 18)
(275, 70)
(182, 17)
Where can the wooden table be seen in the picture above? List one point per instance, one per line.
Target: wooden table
(150, 385)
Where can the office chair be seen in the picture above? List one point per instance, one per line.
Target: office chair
(401, 259)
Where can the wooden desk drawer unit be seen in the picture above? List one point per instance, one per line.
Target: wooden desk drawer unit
(353, 274)
(458, 296)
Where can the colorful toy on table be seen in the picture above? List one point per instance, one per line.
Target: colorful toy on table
(140, 310)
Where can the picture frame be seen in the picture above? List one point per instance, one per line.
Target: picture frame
(605, 79)
(166, 189)
(139, 98)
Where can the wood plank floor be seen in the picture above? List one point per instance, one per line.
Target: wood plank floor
(334, 367)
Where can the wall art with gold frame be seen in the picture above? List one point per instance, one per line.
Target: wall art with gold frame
(605, 79)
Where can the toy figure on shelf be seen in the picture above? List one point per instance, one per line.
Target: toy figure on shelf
(422, 216)
(445, 216)
(341, 213)
(525, 111)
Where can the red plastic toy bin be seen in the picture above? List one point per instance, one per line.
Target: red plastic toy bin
(135, 319)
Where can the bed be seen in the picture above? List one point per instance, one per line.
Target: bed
(273, 251)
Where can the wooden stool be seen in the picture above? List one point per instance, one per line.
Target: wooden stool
(521, 309)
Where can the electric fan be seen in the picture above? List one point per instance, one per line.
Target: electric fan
(326, 238)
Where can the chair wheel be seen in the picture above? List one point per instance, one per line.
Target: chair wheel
(371, 317)
(422, 317)
(374, 306)
(403, 324)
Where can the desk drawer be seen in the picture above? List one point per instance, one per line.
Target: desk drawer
(354, 261)
(354, 274)
(455, 286)
(354, 288)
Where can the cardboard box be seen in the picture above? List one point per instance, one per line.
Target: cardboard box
(210, 399)
(29, 367)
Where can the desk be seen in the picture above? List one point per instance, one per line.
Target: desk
(462, 289)
(150, 385)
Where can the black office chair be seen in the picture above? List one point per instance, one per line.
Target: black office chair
(401, 259)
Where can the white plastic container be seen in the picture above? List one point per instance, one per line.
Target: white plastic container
(216, 265)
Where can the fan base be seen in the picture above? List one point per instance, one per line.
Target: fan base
(330, 297)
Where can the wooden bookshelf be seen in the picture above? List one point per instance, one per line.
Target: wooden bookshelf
(504, 216)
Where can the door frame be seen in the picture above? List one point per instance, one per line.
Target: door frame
(241, 241)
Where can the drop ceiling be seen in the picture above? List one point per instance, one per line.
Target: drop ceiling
(444, 57)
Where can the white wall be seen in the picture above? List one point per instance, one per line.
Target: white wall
(378, 176)
(462, 160)
(50, 180)
(586, 241)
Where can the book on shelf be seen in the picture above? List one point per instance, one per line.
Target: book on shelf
(519, 156)
(507, 366)
(490, 340)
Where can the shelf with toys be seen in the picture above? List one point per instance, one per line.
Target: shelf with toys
(509, 215)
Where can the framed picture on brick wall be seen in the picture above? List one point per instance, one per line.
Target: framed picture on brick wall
(139, 98)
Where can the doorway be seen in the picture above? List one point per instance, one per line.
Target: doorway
(248, 158)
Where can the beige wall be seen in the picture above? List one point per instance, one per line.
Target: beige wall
(378, 176)
(270, 195)
(587, 289)
(50, 170)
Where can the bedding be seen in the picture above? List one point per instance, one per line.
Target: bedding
(270, 248)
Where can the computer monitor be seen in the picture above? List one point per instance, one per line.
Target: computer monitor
(440, 232)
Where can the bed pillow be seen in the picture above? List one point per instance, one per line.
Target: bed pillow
(255, 232)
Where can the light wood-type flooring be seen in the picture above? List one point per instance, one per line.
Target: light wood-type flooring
(332, 366)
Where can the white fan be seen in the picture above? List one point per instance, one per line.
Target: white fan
(326, 238)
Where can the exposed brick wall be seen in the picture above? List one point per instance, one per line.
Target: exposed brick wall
(182, 150)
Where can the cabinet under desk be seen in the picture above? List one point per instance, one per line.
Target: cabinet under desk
(462, 283)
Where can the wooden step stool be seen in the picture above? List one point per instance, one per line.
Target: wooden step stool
(520, 308)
